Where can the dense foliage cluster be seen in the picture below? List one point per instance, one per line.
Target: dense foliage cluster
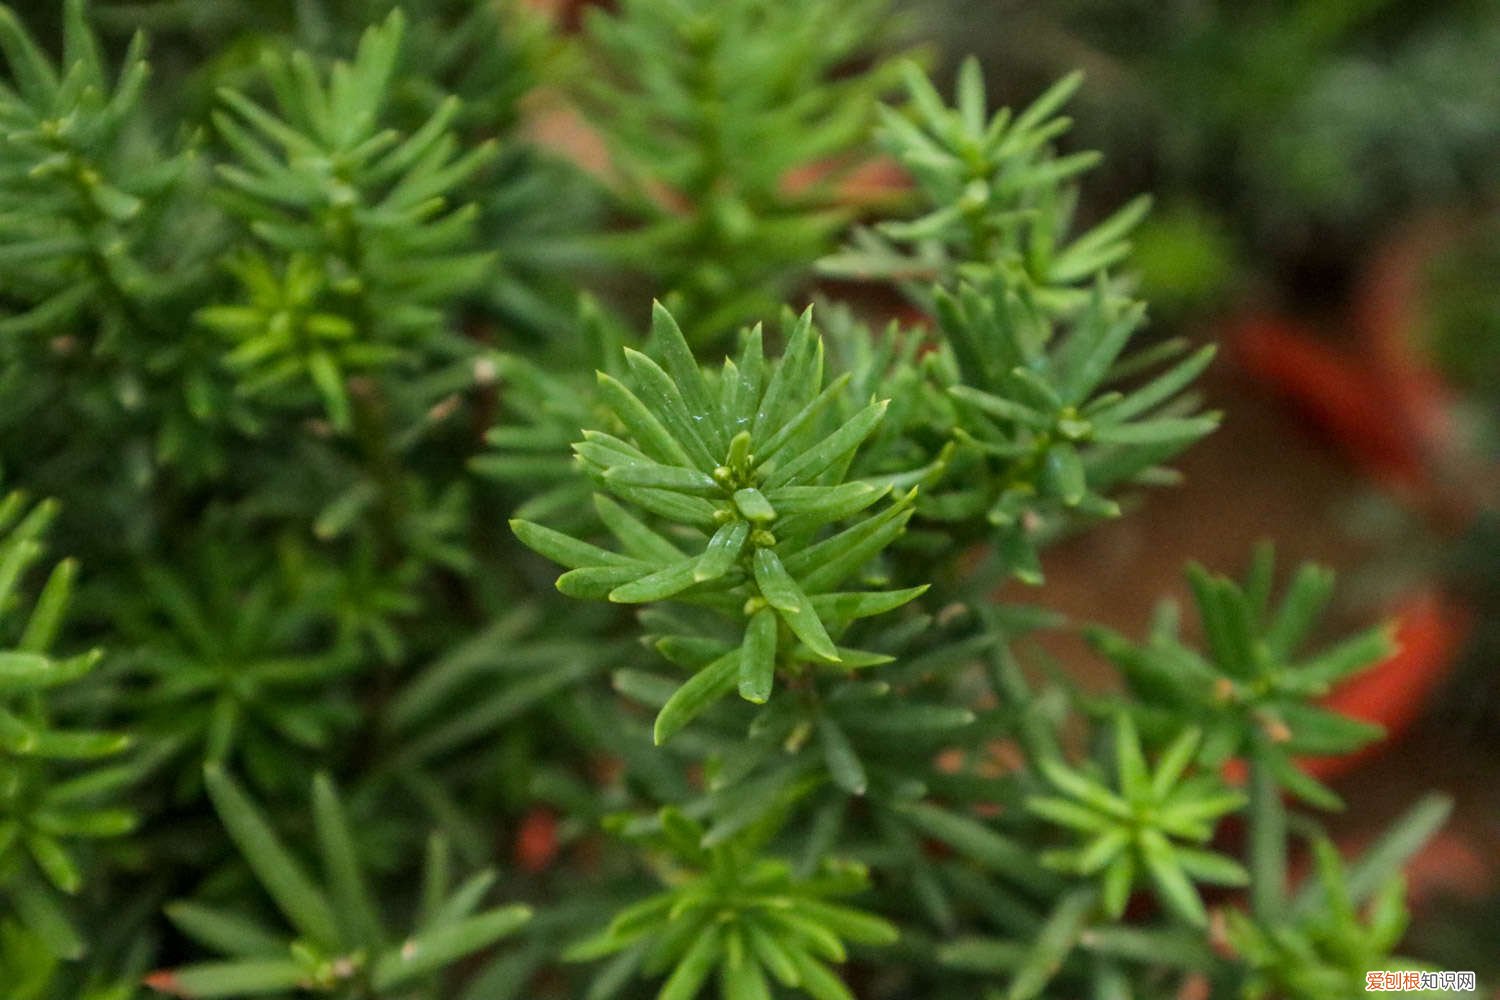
(294, 320)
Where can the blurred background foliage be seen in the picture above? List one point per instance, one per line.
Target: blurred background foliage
(1284, 137)
(1327, 190)
(281, 573)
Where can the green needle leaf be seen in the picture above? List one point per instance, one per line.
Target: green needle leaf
(54, 862)
(294, 893)
(833, 449)
(654, 438)
(817, 981)
(568, 551)
(1171, 883)
(1118, 879)
(754, 506)
(677, 357)
(356, 907)
(1065, 471)
(436, 949)
(228, 933)
(723, 551)
(782, 593)
(842, 761)
(745, 981)
(772, 953)
(1206, 866)
(1135, 780)
(758, 659)
(663, 477)
(694, 968)
(1056, 941)
(657, 586)
(989, 847)
(257, 977)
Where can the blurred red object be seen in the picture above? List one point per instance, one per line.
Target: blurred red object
(872, 182)
(1379, 416)
(553, 123)
(1385, 405)
(536, 842)
(164, 981)
(1430, 632)
(1382, 398)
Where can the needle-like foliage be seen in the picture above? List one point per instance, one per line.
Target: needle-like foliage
(738, 917)
(1049, 420)
(235, 669)
(55, 784)
(1052, 409)
(341, 947)
(1001, 200)
(295, 319)
(1329, 951)
(83, 207)
(359, 211)
(1250, 689)
(746, 472)
(730, 125)
(1143, 822)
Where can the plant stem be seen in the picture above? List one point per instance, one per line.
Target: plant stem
(1035, 733)
(1267, 839)
(372, 433)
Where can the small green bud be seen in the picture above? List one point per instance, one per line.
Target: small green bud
(797, 738)
(739, 458)
(976, 196)
(1071, 426)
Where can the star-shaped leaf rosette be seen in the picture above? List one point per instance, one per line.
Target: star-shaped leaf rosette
(1249, 690)
(1327, 950)
(728, 492)
(56, 791)
(1057, 400)
(338, 941)
(735, 913)
(1155, 819)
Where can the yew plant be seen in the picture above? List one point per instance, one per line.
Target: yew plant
(316, 373)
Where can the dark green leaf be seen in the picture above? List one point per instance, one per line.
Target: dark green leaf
(295, 894)
(435, 949)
